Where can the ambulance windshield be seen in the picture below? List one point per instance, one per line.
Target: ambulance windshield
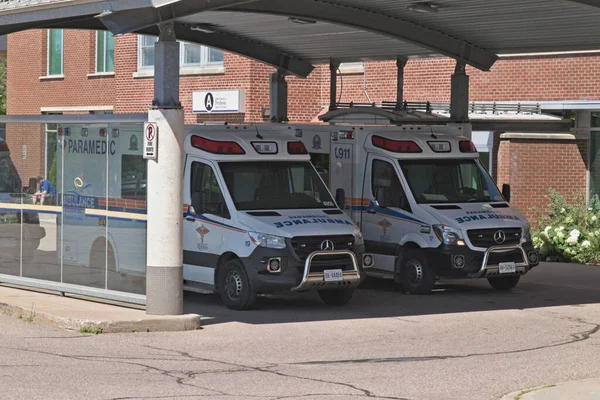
(449, 181)
(275, 185)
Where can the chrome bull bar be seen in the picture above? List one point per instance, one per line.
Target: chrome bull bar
(494, 269)
(313, 280)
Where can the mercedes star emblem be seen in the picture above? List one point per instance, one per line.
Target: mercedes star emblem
(327, 245)
(500, 237)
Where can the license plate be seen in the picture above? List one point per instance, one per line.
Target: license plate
(507, 268)
(333, 275)
(8, 242)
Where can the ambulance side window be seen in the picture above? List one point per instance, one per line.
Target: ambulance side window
(206, 191)
(384, 176)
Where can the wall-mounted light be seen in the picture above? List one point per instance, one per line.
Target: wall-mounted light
(302, 21)
(424, 8)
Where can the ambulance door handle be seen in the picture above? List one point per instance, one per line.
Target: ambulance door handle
(371, 211)
(190, 219)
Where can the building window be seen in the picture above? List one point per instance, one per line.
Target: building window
(191, 55)
(105, 52)
(146, 52)
(55, 52)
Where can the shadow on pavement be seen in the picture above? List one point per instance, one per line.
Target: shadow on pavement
(546, 286)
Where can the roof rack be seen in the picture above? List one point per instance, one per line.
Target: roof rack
(444, 107)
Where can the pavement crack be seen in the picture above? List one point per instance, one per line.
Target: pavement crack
(573, 338)
(363, 392)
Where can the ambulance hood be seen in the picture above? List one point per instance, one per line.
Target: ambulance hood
(477, 215)
(291, 223)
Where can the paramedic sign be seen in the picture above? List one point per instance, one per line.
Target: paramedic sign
(218, 101)
(150, 140)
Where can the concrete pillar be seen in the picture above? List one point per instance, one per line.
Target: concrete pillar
(279, 97)
(459, 94)
(400, 63)
(333, 67)
(164, 270)
(459, 101)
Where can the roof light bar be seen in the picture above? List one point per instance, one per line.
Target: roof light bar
(440, 147)
(265, 147)
(216, 147)
(297, 148)
(396, 146)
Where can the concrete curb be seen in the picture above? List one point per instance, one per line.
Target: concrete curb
(142, 323)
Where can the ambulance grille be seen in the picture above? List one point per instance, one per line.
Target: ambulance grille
(485, 237)
(304, 245)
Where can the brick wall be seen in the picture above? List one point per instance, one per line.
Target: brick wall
(533, 166)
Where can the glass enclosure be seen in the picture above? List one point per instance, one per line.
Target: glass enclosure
(73, 204)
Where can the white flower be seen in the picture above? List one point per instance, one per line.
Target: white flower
(590, 209)
(594, 218)
(574, 233)
(586, 244)
(572, 239)
(561, 227)
(562, 210)
(597, 233)
(547, 229)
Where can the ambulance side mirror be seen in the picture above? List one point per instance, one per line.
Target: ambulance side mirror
(382, 197)
(340, 198)
(198, 202)
(506, 191)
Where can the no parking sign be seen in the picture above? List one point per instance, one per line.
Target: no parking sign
(150, 140)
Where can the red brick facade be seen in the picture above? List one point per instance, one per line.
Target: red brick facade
(531, 167)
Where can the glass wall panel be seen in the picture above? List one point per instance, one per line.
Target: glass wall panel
(11, 190)
(41, 214)
(127, 181)
(82, 182)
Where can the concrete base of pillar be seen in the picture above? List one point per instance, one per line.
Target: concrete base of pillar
(164, 273)
(166, 287)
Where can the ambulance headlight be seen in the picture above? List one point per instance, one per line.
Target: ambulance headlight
(448, 235)
(358, 238)
(269, 241)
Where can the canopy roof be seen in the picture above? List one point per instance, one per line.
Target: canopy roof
(293, 35)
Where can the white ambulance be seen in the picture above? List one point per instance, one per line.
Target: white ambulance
(257, 217)
(427, 208)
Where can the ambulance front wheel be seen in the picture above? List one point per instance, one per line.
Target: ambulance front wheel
(416, 276)
(234, 286)
(336, 297)
(505, 283)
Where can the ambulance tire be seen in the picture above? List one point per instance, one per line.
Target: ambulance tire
(504, 284)
(336, 297)
(234, 286)
(416, 276)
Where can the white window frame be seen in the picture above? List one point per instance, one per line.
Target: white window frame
(204, 54)
(106, 33)
(62, 53)
(139, 56)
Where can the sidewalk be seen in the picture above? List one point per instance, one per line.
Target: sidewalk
(87, 316)
(588, 389)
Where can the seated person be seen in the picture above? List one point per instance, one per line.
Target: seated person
(45, 192)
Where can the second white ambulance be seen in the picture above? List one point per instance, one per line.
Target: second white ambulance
(426, 207)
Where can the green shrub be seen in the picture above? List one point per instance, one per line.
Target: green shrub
(570, 232)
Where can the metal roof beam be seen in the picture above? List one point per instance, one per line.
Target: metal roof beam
(133, 20)
(53, 12)
(366, 20)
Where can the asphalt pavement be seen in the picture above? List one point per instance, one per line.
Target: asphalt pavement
(465, 341)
